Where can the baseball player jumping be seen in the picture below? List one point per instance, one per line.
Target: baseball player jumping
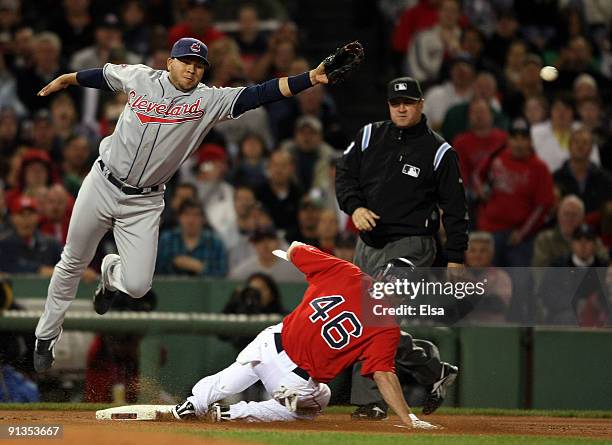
(330, 329)
(167, 115)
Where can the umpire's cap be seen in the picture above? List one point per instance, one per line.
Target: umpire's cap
(405, 87)
(188, 46)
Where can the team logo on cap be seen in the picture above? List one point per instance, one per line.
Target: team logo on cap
(400, 86)
(195, 47)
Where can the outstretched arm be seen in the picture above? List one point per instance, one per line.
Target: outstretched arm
(391, 390)
(92, 78)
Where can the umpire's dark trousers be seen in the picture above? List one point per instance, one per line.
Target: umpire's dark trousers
(425, 367)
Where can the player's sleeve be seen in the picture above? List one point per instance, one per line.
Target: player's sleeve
(220, 105)
(124, 77)
(380, 353)
(348, 190)
(313, 263)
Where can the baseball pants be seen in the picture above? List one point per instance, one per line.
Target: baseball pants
(134, 220)
(261, 361)
(418, 361)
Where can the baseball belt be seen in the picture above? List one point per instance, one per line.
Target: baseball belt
(127, 189)
(278, 341)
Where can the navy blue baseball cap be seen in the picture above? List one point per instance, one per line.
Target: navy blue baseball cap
(190, 47)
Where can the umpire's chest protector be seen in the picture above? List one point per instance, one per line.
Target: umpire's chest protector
(398, 170)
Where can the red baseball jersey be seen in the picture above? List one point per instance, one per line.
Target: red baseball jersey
(333, 327)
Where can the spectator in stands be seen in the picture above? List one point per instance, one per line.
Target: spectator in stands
(430, 47)
(250, 169)
(26, 250)
(46, 66)
(279, 195)
(551, 139)
(310, 152)
(576, 297)
(136, 34)
(64, 118)
(575, 59)
(346, 243)
(554, 243)
(214, 192)
(580, 176)
(5, 222)
(180, 193)
(479, 259)
(8, 89)
(43, 135)
(317, 103)
(327, 231)
(225, 62)
(472, 43)
(192, 248)
(9, 139)
(198, 24)
(276, 61)
(76, 162)
(238, 246)
(74, 26)
(23, 48)
(423, 15)
(593, 118)
(535, 110)
(480, 141)
(108, 37)
(35, 175)
(529, 84)
(250, 39)
(308, 217)
(516, 56)
(506, 32)
(265, 240)
(457, 118)
(513, 179)
(260, 295)
(584, 87)
(56, 209)
(440, 98)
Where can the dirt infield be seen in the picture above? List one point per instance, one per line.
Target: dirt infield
(81, 427)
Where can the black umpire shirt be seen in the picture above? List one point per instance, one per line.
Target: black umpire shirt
(405, 175)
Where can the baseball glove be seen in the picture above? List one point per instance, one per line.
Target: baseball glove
(343, 61)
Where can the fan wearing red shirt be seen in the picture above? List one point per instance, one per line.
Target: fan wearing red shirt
(327, 332)
(198, 24)
(517, 192)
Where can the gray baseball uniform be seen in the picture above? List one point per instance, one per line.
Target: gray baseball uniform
(157, 131)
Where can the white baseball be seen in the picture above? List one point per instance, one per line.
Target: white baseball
(549, 73)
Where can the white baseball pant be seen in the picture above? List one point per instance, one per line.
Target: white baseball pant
(260, 361)
(100, 207)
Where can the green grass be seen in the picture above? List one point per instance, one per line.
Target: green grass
(327, 438)
(592, 414)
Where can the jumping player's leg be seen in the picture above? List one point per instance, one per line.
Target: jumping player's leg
(136, 233)
(89, 222)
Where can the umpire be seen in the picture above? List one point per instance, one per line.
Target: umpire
(395, 180)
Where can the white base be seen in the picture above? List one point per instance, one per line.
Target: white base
(136, 412)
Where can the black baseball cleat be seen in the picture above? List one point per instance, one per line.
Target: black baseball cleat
(44, 353)
(438, 392)
(184, 411)
(103, 299)
(371, 411)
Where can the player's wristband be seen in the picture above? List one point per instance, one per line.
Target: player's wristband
(299, 83)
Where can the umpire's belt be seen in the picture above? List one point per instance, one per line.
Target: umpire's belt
(278, 341)
(127, 189)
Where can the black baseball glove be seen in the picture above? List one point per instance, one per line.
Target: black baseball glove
(343, 61)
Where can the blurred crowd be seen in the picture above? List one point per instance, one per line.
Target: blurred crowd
(536, 155)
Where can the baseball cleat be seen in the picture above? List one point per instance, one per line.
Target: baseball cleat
(371, 411)
(184, 411)
(218, 413)
(44, 353)
(103, 297)
(435, 398)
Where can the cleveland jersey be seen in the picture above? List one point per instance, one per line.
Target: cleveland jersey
(326, 333)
